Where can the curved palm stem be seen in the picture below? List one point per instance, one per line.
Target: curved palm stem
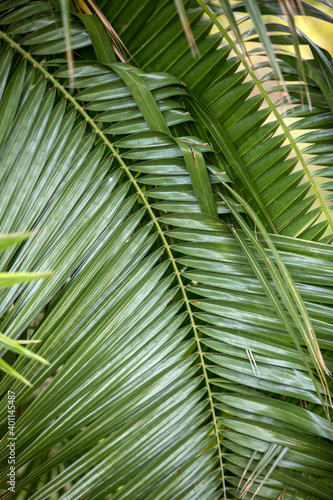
(146, 203)
(270, 103)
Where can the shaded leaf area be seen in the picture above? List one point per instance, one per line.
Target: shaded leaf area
(237, 123)
(170, 376)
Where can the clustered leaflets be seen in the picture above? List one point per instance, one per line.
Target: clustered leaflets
(172, 372)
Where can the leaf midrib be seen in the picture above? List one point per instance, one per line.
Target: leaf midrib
(123, 165)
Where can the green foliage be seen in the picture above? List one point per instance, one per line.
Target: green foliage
(187, 322)
(8, 280)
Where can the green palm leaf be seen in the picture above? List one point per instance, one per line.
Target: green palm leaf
(262, 164)
(186, 345)
(8, 280)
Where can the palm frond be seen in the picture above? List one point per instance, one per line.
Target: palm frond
(275, 177)
(175, 325)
